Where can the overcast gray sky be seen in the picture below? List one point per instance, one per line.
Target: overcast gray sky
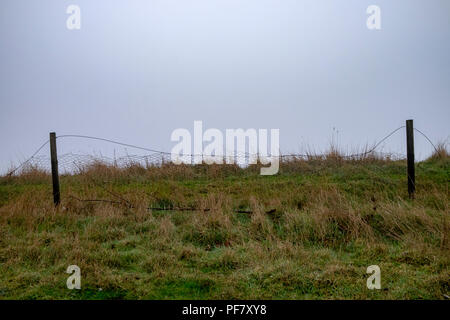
(139, 69)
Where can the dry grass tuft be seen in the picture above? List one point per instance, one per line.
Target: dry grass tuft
(440, 153)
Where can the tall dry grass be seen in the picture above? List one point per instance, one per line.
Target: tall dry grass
(307, 232)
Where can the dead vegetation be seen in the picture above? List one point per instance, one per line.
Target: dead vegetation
(308, 232)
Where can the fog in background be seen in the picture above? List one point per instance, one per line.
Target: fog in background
(138, 69)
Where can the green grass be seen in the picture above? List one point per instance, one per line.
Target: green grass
(314, 229)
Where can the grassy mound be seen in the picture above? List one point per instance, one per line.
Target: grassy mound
(226, 232)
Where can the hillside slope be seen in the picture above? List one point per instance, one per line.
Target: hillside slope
(223, 232)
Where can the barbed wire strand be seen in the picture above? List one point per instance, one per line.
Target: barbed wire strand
(356, 154)
(376, 146)
(111, 141)
(28, 160)
(193, 155)
(108, 191)
(435, 149)
(164, 208)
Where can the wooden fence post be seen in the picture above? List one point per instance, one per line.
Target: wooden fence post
(410, 158)
(55, 175)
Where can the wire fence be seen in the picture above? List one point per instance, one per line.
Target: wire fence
(71, 162)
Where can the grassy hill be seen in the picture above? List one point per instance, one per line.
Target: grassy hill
(226, 232)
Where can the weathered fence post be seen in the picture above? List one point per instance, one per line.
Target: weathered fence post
(55, 176)
(410, 158)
